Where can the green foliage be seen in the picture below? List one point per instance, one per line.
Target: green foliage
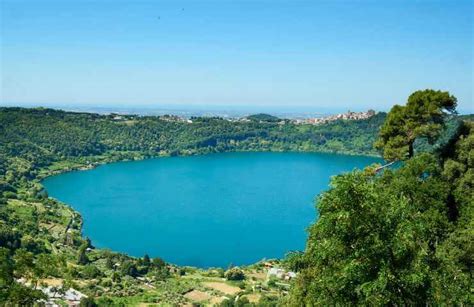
(11, 292)
(423, 116)
(6, 268)
(294, 261)
(146, 260)
(268, 301)
(35, 143)
(234, 274)
(9, 238)
(236, 302)
(87, 302)
(19, 295)
(38, 137)
(263, 117)
(90, 271)
(82, 255)
(129, 268)
(455, 254)
(403, 237)
(397, 238)
(158, 263)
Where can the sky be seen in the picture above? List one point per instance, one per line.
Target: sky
(316, 54)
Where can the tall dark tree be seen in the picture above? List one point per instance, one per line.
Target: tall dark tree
(82, 256)
(6, 269)
(87, 302)
(88, 242)
(422, 116)
(146, 260)
(402, 237)
(130, 268)
(158, 263)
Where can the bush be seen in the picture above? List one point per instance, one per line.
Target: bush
(129, 268)
(234, 274)
(9, 194)
(87, 302)
(90, 272)
(106, 282)
(158, 263)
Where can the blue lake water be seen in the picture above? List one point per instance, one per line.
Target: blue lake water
(211, 210)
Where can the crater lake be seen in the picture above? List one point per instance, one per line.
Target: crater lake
(205, 211)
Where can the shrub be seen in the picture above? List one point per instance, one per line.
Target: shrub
(90, 272)
(234, 274)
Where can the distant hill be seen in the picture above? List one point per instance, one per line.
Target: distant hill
(262, 117)
(469, 117)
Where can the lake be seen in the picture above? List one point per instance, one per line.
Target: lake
(205, 211)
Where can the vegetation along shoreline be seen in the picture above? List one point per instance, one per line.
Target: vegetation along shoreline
(46, 258)
(73, 248)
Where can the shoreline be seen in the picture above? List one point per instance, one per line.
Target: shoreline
(89, 165)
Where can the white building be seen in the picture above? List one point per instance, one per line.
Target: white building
(280, 274)
(71, 296)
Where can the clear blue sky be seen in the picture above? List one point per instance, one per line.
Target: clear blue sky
(336, 54)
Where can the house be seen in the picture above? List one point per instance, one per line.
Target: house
(268, 264)
(71, 296)
(275, 272)
(280, 274)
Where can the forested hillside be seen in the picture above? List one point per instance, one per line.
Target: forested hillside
(79, 134)
(38, 137)
(384, 237)
(40, 238)
(403, 236)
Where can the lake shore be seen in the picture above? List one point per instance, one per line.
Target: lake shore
(278, 173)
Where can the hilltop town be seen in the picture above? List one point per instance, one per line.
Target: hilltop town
(349, 115)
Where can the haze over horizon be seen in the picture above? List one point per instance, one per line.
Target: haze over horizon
(234, 54)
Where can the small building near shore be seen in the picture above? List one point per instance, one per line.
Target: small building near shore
(280, 274)
(71, 296)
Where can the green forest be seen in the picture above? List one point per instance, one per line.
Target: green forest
(402, 236)
(385, 236)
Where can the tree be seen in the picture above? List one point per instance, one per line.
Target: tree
(161, 274)
(455, 254)
(158, 263)
(294, 261)
(109, 262)
(422, 116)
(88, 242)
(234, 274)
(6, 268)
(116, 277)
(90, 272)
(129, 268)
(24, 263)
(376, 237)
(20, 295)
(9, 238)
(146, 260)
(45, 265)
(82, 256)
(13, 293)
(87, 302)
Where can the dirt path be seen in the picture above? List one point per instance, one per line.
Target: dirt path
(222, 287)
(197, 296)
